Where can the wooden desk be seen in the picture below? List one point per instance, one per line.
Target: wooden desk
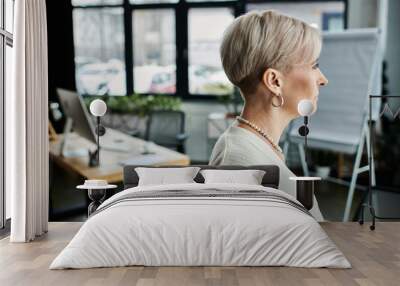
(110, 168)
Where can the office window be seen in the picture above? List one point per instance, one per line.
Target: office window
(154, 51)
(328, 15)
(2, 137)
(207, 0)
(206, 75)
(8, 70)
(169, 46)
(9, 11)
(95, 2)
(152, 1)
(6, 40)
(99, 51)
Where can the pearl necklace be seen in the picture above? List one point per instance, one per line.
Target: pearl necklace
(261, 132)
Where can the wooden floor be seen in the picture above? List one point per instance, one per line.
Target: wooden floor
(374, 255)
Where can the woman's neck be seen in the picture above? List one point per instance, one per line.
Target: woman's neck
(272, 120)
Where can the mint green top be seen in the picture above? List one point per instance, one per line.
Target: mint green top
(239, 146)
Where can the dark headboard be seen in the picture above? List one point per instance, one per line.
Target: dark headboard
(271, 177)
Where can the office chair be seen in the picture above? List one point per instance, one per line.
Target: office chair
(167, 128)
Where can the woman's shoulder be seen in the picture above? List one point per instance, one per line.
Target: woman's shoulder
(235, 147)
(233, 138)
(239, 135)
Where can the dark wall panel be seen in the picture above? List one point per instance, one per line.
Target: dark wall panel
(60, 50)
(60, 46)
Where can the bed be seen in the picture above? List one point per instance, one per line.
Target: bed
(201, 224)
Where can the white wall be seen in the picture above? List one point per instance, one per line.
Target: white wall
(362, 13)
(386, 15)
(392, 55)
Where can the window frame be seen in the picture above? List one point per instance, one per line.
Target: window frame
(182, 8)
(6, 39)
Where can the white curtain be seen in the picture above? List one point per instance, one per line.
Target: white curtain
(27, 124)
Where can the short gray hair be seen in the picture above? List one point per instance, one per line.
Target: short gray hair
(260, 40)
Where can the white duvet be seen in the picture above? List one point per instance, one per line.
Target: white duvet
(200, 231)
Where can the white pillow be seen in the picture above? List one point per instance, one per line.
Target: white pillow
(165, 176)
(248, 177)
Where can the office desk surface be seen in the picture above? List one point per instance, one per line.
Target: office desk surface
(110, 168)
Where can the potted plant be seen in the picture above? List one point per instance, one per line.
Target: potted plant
(129, 113)
(136, 104)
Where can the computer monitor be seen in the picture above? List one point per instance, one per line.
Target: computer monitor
(75, 109)
(77, 115)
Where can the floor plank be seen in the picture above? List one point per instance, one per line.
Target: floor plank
(374, 255)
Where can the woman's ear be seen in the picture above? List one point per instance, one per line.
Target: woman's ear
(273, 80)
